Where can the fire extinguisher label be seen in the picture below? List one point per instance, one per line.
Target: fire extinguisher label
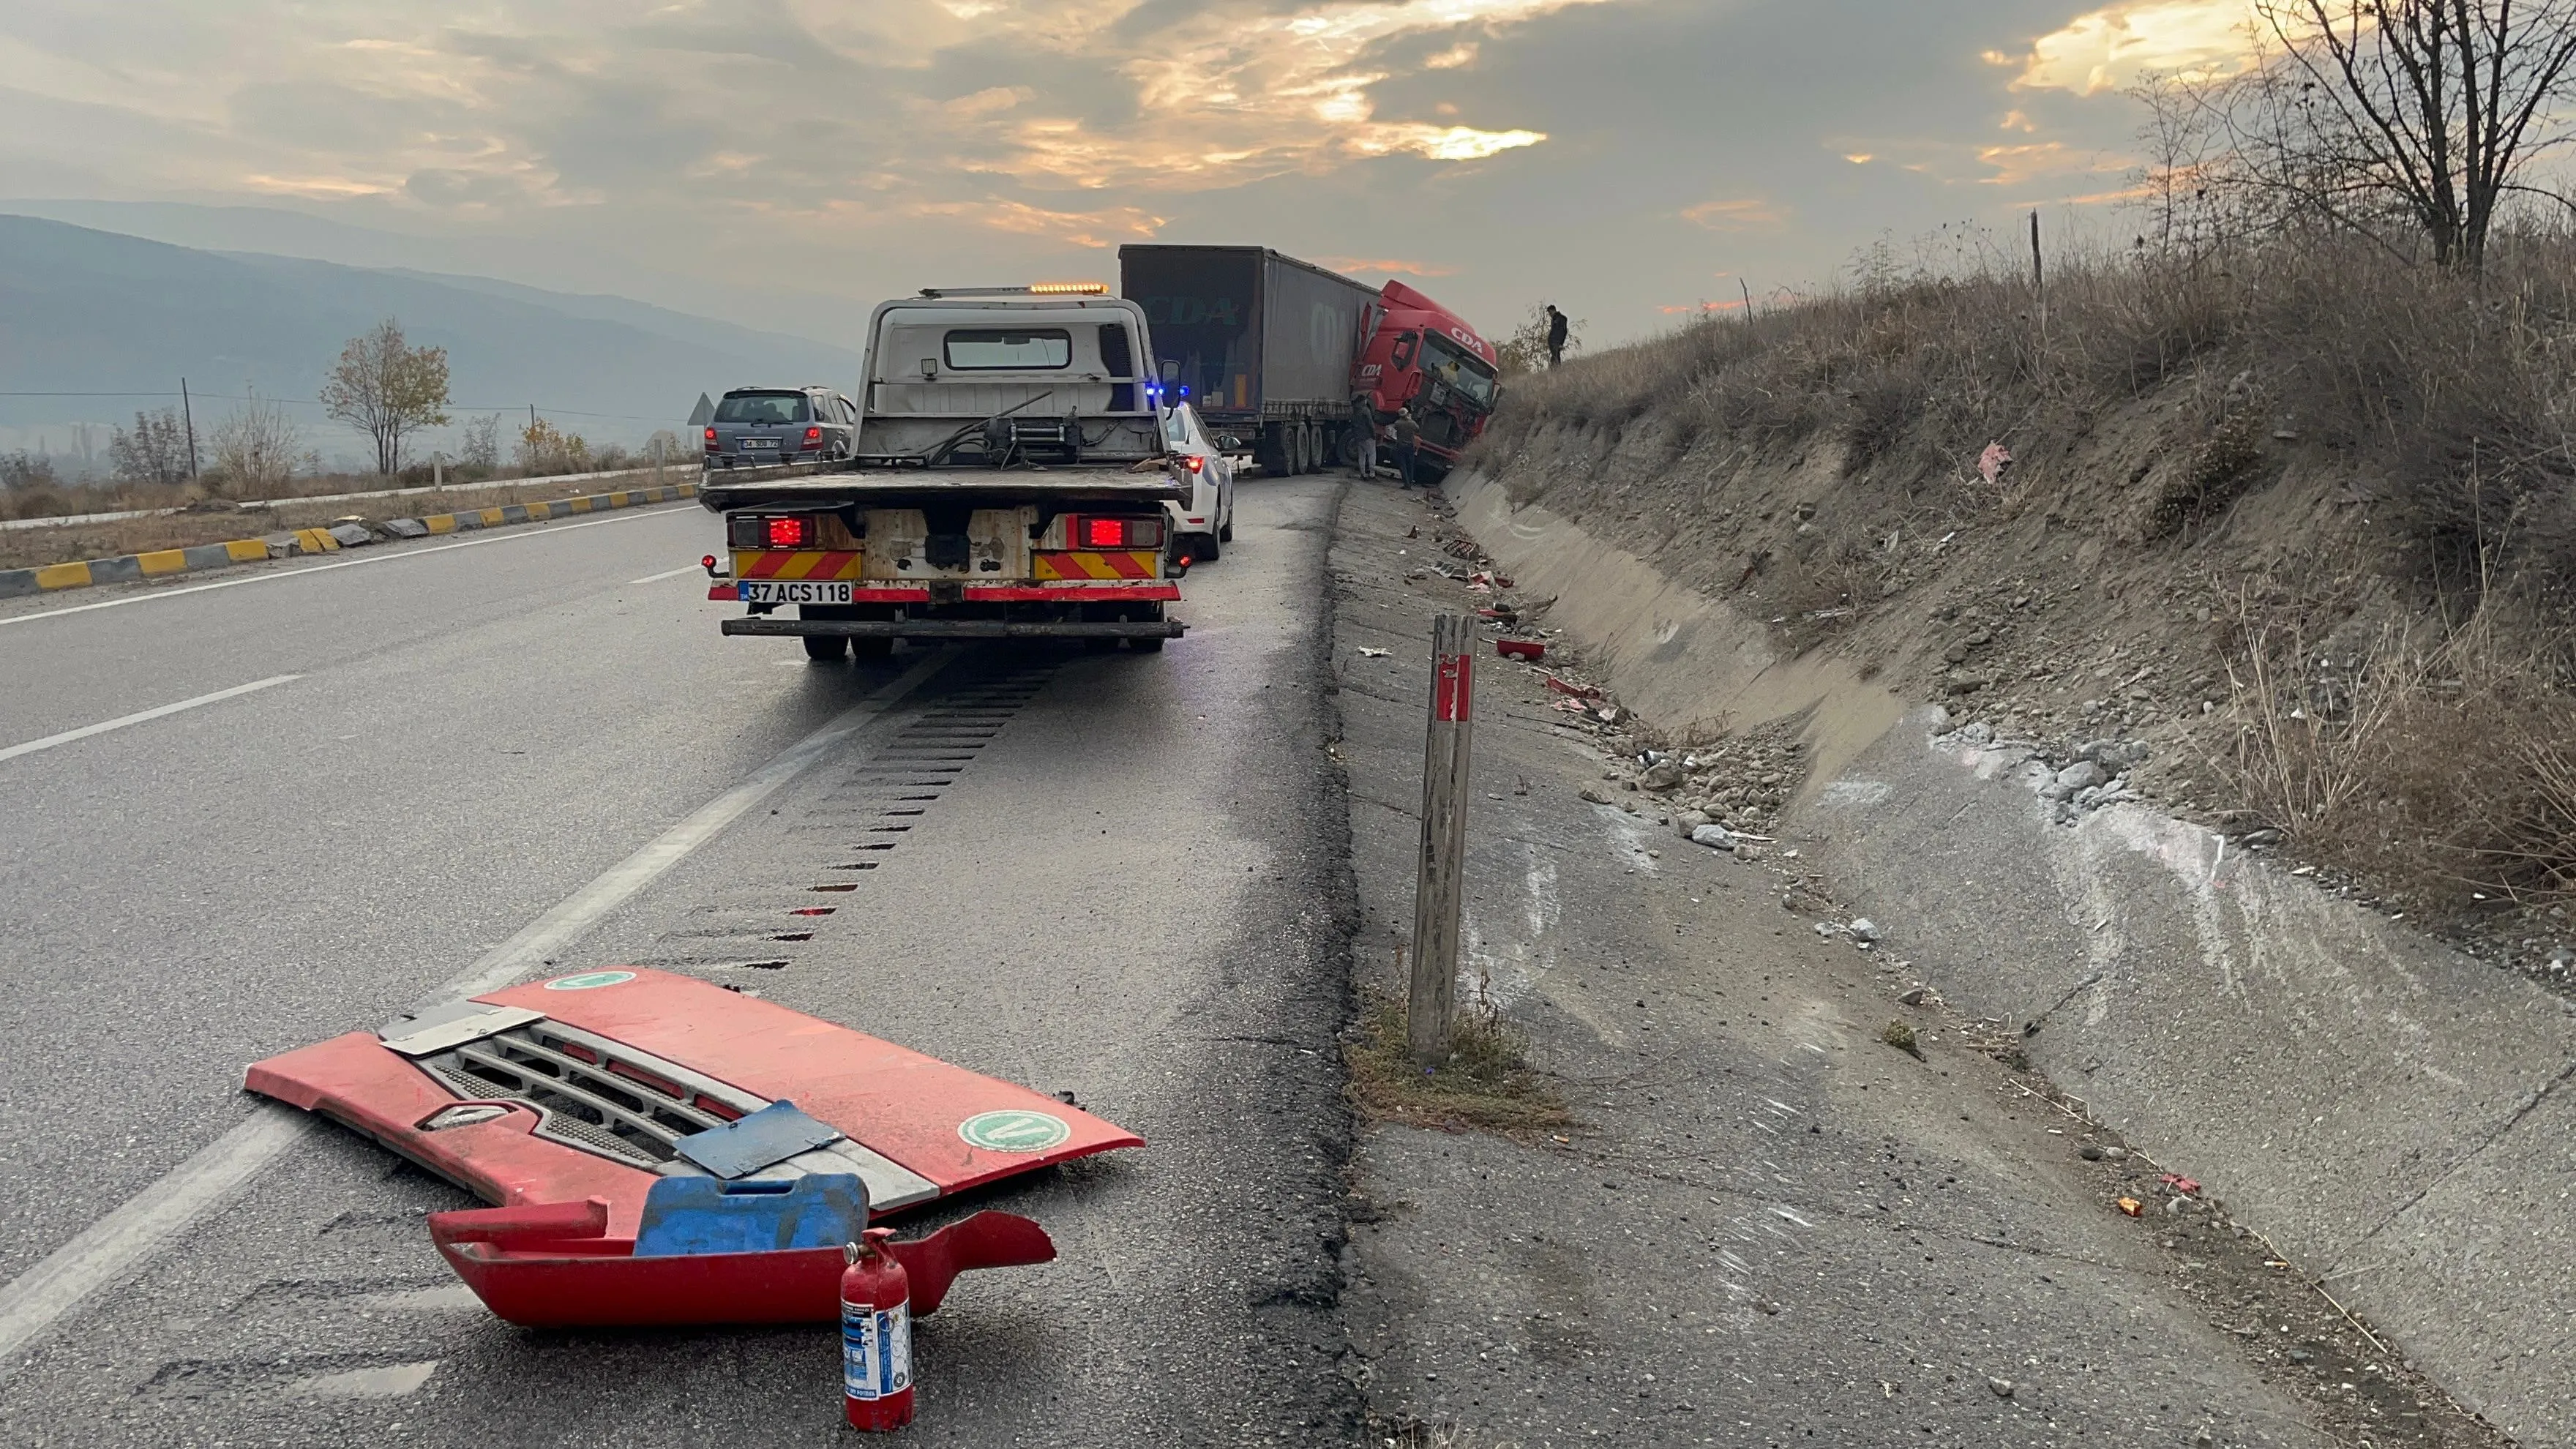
(876, 1350)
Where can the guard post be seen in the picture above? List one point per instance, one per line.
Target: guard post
(1431, 1002)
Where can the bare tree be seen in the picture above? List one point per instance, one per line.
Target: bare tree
(256, 448)
(2427, 109)
(483, 442)
(155, 451)
(388, 390)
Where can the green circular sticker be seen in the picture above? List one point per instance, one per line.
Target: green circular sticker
(1013, 1130)
(588, 979)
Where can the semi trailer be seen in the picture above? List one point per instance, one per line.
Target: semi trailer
(1295, 359)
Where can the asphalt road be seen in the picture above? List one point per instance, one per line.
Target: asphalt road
(1134, 892)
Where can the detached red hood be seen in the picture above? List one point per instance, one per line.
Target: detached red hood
(577, 1087)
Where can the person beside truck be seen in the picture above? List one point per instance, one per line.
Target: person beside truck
(1408, 444)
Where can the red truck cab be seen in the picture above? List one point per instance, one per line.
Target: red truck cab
(1415, 352)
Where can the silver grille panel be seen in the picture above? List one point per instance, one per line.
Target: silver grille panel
(569, 1078)
(572, 1080)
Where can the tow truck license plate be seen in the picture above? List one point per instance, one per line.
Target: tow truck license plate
(792, 591)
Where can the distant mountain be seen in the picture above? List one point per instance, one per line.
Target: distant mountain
(92, 311)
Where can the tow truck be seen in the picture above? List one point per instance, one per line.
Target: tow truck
(1007, 480)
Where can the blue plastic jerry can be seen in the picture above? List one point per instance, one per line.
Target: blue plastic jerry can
(684, 1216)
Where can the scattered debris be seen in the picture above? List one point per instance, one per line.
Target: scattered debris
(1367, 653)
(1520, 649)
(1901, 1036)
(2132, 1206)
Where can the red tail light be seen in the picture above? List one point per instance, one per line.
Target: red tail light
(813, 437)
(793, 531)
(711, 438)
(1116, 533)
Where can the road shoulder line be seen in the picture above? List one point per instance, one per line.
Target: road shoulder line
(137, 1230)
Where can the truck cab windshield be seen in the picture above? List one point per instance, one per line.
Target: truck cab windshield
(1469, 375)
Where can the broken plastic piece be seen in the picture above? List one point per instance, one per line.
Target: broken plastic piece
(2132, 1206)
(539, 1278)
(452, 1024)
(1520, 648)
(701, 1215)
(766, 1138)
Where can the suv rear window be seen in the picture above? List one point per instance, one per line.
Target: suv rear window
(761, 407)
(1009, 351)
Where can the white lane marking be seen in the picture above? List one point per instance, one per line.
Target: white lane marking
(115, 1246)
(394, 557)
(140, 717)
(668, 574)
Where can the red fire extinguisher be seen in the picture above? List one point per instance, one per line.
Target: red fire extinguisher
(876, 1335)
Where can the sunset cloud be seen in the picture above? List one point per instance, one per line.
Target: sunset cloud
(1741, 214)
(2111, 48)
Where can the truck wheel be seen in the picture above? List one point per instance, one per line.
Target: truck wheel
(1205, 547)
(1270, 450)
(826, 648)
(1310, 459)
(1225, 532)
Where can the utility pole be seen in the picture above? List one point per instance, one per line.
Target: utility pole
(188, 411)
(1431, 1002)
(1747, 289)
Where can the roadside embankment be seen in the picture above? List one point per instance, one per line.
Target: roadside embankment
(2393, 1114)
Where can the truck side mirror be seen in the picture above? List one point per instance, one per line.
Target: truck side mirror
(1228, 441)
(1171, 371)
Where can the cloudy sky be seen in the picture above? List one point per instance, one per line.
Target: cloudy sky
(774, 160)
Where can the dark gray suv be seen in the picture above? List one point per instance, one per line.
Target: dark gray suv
(753, 426)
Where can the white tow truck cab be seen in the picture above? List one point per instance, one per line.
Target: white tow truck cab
(1008, 479)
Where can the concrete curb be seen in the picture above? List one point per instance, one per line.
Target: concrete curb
(135, 567)
(2397, 1116)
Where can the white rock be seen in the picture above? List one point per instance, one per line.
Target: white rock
(1715, 837)
(1863, 928)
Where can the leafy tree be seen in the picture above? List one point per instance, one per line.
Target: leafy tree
(387, 389)
(155, 450)
(543, 450)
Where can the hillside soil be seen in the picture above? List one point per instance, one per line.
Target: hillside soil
(2215, 652)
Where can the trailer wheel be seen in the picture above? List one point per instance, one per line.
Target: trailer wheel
(1270, 450)
(826, 648)
(1313, 438)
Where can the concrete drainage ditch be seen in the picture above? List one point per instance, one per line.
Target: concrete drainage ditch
(2391, 1113)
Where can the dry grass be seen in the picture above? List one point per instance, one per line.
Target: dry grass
(1412, 1433)
(1486, 1084)
(2440, 762)
(2452, 396)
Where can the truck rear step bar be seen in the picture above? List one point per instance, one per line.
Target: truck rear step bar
(958, 628)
